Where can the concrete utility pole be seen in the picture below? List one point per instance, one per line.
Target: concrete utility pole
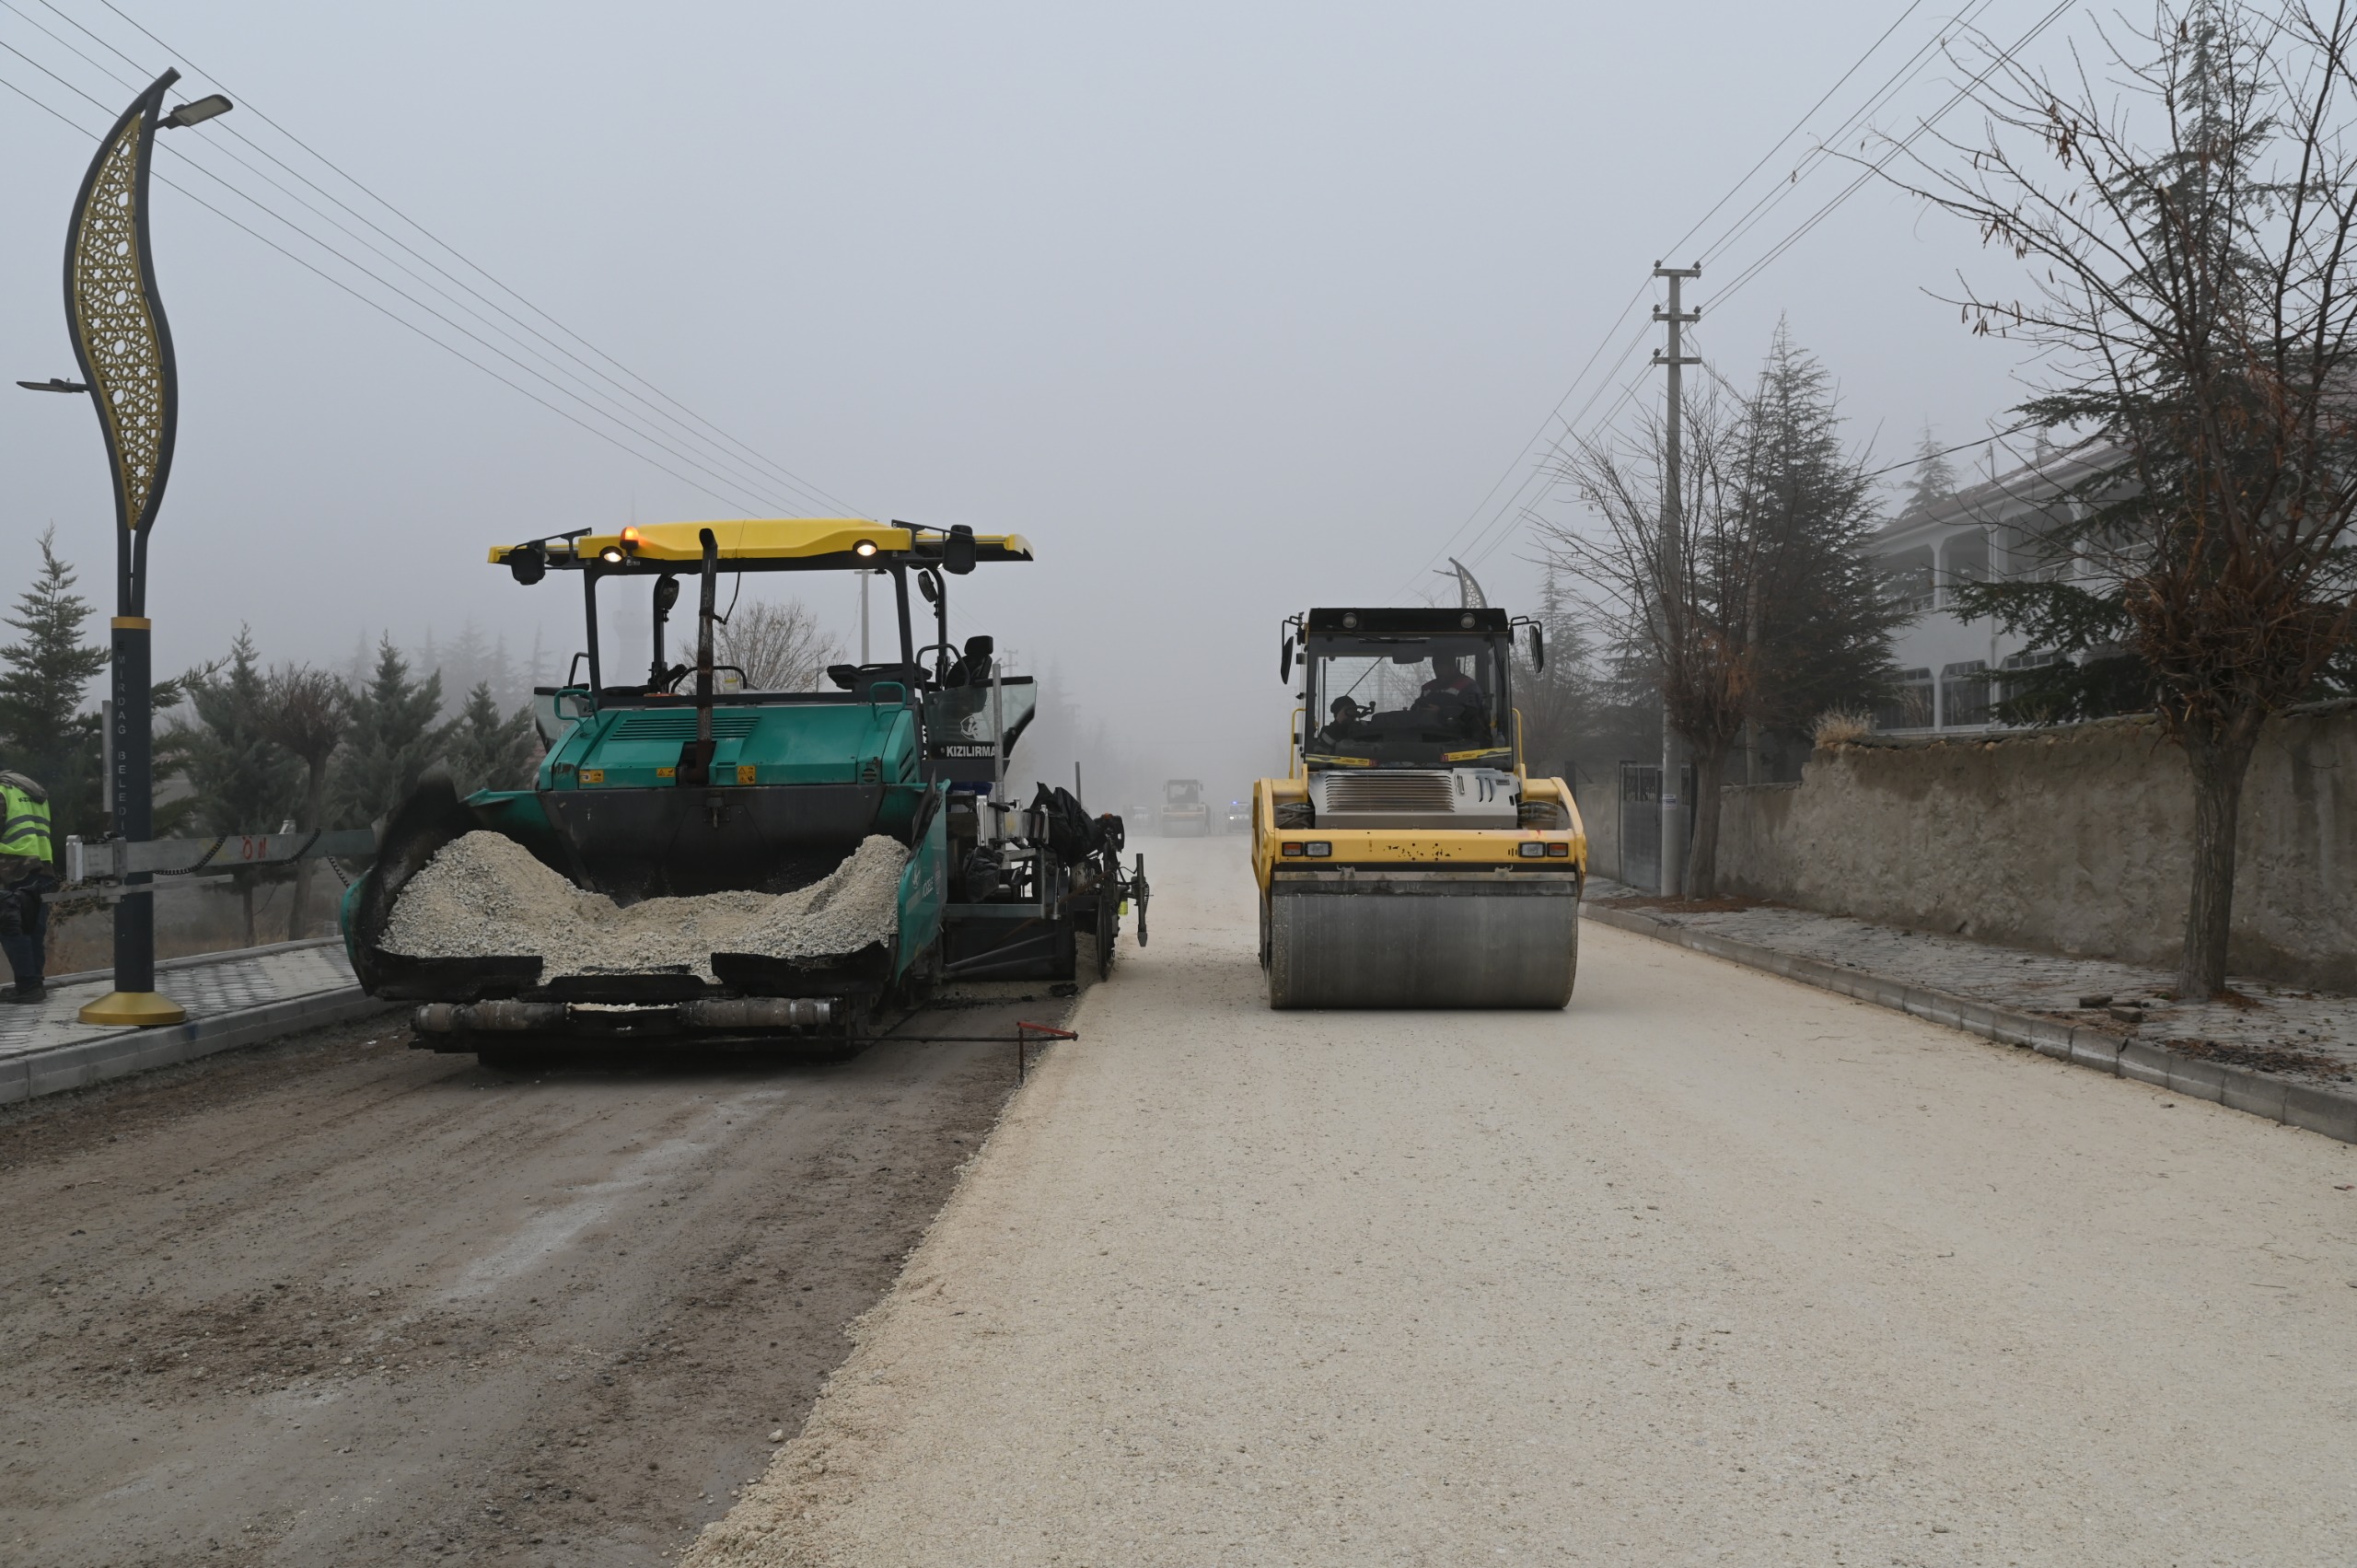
(1673, 495)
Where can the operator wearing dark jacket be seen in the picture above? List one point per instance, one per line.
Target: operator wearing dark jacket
(1450, 697)
(27, 848)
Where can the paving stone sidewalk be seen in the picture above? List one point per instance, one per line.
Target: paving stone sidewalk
(234, 998)
(2305, 1036)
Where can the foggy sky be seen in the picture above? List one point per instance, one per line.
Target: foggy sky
(1229, 308)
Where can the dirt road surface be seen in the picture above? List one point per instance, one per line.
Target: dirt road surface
(1711, 1268)
(343, 1302)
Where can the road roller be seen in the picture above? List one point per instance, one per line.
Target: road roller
(1408, 859)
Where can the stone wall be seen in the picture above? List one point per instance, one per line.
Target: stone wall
(1596, 793)
(2068, 841)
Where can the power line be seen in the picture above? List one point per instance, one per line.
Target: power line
(605, 397)
(1921, 129)
(752, 453)
(1522, 457)
(383, 310)
(1901, 77)
(1744, 178)
(1512, 519)
(1952, 451)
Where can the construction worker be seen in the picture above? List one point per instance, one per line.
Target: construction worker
(26, 851)
(1450, 696)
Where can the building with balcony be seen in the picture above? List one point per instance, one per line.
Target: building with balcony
(1950, 670)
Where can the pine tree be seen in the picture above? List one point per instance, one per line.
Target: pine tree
(43, 681)
(1934, 477)
(1772, 611)
(393, 741)
(309, 711)
(2190, 307)
(243, 781)
(1824, 625)
(487, 751)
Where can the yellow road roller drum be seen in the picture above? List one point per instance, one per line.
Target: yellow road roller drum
(1408, 859)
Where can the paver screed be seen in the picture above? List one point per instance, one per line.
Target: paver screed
(1711, 1267)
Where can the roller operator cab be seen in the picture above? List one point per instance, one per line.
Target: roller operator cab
(1184, 815)
(1408, 859)
(676, 778)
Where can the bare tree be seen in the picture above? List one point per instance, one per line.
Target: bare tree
(781, 648)
(1678, 589)
(307, 715)
(1766, 613)
(2184, 212)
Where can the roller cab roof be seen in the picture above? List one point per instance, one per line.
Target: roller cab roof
(1412, 622)
(758, 544)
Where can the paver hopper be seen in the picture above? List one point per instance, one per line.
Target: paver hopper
(670, 786)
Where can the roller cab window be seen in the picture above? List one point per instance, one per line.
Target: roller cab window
(1383, 695)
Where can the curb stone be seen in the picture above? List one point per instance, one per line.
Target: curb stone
(2305, 1105)
(80, 1063)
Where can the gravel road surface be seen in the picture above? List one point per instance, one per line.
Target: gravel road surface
(1711, 1268)
(340, 1302)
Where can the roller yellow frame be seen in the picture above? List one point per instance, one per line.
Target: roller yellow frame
(1409, 858)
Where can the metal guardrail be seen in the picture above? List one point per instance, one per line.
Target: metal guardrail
(106, 860)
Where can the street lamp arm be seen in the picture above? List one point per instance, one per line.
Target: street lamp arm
(54, 384)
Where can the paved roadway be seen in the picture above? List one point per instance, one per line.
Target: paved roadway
(1711, 1268)
(337, 1301)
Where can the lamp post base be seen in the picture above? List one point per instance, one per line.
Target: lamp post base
(134, 1009)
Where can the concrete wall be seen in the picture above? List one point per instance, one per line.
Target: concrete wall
(2068, 841)
(1596, 793)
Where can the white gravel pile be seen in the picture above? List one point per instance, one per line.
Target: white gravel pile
(484, 895)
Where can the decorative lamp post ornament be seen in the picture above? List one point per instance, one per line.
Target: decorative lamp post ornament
(125, 347)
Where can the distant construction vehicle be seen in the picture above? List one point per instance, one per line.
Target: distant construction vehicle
(1184, 813)
(1410, 860)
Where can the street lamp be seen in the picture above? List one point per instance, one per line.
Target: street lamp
(125, 347)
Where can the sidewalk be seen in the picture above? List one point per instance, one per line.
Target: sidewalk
(233, 999)
(2304, 1041)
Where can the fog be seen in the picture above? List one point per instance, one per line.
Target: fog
(1228, 309)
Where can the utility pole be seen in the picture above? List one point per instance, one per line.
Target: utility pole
(1673, 527)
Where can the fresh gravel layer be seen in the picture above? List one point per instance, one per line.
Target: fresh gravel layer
(485, 895)
(1709, 1268)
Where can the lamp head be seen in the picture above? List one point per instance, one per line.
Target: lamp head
(197, 112)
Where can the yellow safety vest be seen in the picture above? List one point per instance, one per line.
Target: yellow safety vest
(24, 819)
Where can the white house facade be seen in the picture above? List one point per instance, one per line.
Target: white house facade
(1952, 670)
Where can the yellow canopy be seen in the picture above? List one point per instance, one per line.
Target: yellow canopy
(753, 539)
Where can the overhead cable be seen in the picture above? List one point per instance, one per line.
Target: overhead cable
(733, 472)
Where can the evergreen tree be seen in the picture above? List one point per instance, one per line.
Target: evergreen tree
(243, 781)
(1823, 624)
(487, 751)
(43, 681)
(393, 741)
(1771, 612)
(309, 711)
(2189, 302)
(1934, 477)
